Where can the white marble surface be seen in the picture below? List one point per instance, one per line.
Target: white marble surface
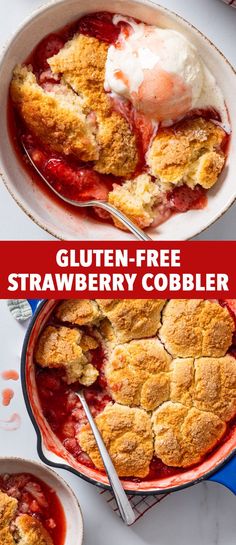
(214, 18)
(201, 515)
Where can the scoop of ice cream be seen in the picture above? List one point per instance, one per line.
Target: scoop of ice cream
(157, 69)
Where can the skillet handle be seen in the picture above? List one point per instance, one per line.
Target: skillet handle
(34, 303)
(226, 475)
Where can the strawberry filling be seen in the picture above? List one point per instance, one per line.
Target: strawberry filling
(183, 198)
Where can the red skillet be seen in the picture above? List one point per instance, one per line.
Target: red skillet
(219, 466)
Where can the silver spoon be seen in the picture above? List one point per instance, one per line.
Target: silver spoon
(101, 204)
(126, 511)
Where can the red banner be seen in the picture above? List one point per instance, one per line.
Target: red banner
(57, 270)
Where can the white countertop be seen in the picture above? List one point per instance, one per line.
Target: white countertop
(212, 17)
(201, 515)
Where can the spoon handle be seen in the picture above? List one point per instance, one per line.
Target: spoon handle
(123, 503)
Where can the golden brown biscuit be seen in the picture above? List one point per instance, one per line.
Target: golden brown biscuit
(118, 153)
(127, 434)
(82, 63)
(78, 312)
(55, 116)
(183, 436)
(196, 327)
(189, 153)
(88, 343)
(137, 199)
(6, 537)
(209, 384)
(8, 507)
(59, 347)
(24, 530)
(31, 531)
(215, 386)
(207, 169)
(130, 318)
(137, 373)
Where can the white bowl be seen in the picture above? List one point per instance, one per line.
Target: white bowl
(74, 521)
(51, 215)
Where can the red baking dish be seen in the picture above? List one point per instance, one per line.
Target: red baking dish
(219, 465)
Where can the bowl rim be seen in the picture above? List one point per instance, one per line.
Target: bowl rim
(69, 468)
(56, 476)
(7, 183)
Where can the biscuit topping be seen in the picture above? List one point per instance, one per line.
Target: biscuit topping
(189, 153)
(138, 374)
(183, 436)
(129, 319)
(79, 312)
(55, 115)
(60, 348)
(196, 327)
(127, 434)
(82, 63)
(166, 374)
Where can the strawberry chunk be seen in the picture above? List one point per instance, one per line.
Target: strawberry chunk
(99, 26)
(72, 446)
(80, 184)
(71, 181)
(50, 524)
(48, 47)
(34, 507)
(183, 198)
(145, 129)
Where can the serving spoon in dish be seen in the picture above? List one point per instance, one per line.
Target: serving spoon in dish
(124, 506)
(137, 232)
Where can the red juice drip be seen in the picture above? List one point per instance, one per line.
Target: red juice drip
(11, 424)
(7, 396)
(10, 375)
(100, 26)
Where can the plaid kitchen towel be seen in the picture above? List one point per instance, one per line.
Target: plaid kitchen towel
(20, 309)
